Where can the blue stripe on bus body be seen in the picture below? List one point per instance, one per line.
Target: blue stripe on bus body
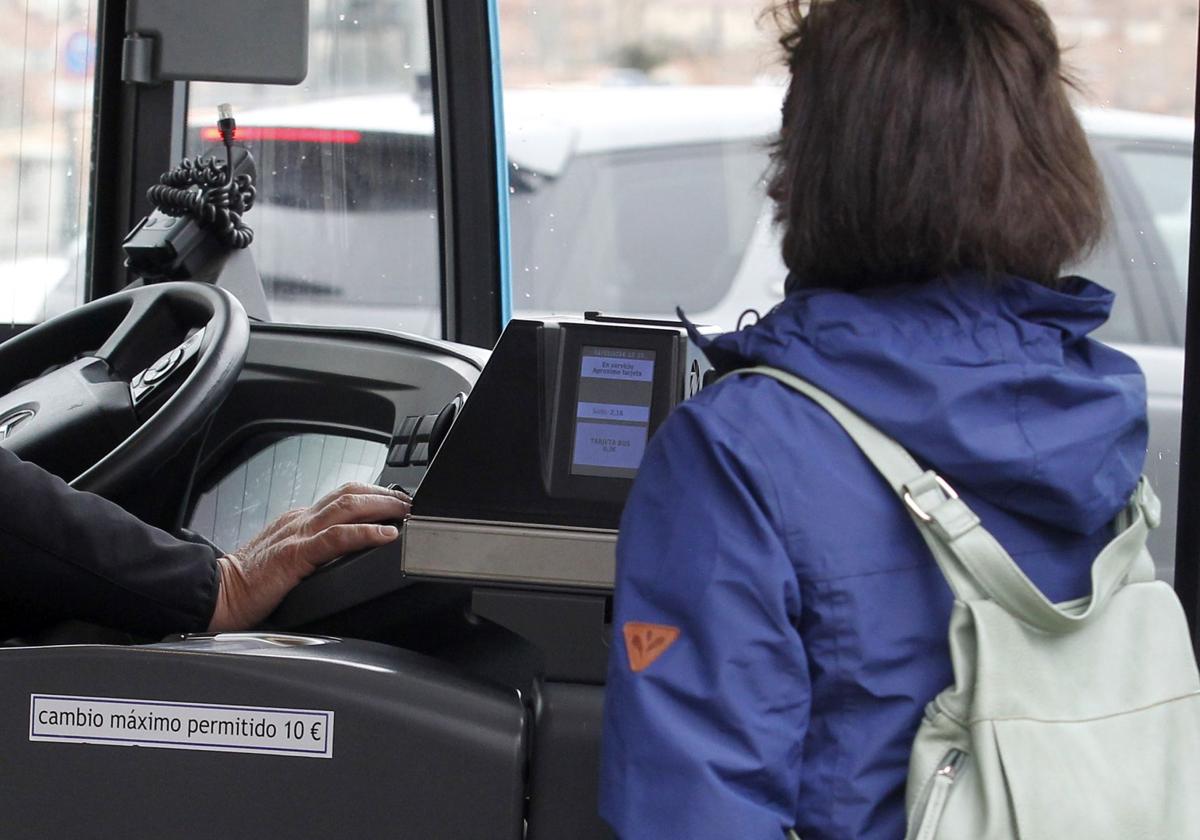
(506, 296)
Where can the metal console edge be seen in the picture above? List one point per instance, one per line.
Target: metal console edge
(543, 555)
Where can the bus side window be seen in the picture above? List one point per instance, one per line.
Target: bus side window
(47, 84)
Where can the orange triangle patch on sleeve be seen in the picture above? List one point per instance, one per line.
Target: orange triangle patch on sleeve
(644, 643)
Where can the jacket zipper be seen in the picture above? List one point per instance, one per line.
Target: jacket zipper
(937, 794)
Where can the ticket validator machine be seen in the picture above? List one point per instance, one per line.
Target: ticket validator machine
(529, 486)
(292, 734)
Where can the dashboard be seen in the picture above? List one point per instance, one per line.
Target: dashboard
(518, 485)
(315, 408)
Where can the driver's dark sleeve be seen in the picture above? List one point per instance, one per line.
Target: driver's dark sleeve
(65, 554)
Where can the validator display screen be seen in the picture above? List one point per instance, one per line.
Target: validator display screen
(612, 415)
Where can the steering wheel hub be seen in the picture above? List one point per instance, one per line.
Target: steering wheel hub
(105, 393)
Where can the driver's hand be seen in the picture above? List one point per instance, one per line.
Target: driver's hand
(257, 577)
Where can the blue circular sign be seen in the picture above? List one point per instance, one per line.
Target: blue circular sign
(77, 54)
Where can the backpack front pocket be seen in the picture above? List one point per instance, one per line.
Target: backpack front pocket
(1101, 778)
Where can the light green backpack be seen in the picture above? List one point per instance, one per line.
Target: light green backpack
(1076, 720)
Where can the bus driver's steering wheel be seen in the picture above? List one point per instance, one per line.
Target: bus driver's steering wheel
(105, 393)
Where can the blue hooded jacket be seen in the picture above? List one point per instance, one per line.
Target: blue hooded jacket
(779, 624)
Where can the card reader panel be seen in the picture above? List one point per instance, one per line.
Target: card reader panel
(556, 426)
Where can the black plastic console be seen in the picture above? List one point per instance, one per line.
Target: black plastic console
(369, 741)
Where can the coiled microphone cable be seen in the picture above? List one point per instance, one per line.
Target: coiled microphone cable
(209, 192)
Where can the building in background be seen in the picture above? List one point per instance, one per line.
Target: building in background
(1120, 50)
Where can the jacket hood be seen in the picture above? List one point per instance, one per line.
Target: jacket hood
(992, 382)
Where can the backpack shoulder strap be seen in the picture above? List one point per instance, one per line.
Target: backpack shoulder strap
(972, 561)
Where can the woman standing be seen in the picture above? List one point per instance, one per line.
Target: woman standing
(780, 624)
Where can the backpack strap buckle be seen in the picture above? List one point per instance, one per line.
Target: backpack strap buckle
(933, 501)
(1145, 498)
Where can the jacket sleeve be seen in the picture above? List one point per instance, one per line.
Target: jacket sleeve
(704, 730)
(67, 554)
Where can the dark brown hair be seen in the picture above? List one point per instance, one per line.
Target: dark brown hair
(923, 137)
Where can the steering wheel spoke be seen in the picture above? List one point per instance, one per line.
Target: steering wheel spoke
(125, 340)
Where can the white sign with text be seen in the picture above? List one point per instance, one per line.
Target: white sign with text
(181, 726)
